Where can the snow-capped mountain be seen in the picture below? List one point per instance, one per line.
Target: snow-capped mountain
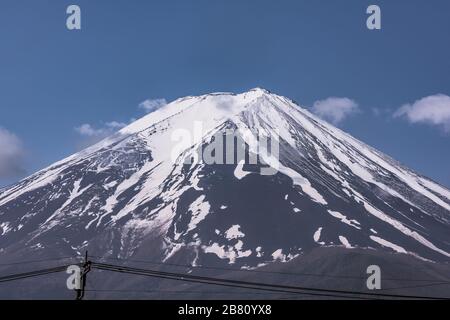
(134, 193)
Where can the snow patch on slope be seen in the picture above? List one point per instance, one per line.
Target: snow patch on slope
(388, 244)
(316, 236)
(234, 232)
(351, 222)
(239, 173)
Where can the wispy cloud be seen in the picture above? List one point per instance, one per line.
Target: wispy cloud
(115, 125)
(151, 105)
(90, 134)
(108, 128)
(433, 110)
(11, 155)
(335, 109)
(381, 112)
(87, 130)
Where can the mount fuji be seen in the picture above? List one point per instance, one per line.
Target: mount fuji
(131, 195)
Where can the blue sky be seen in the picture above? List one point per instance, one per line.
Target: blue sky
(53, 80)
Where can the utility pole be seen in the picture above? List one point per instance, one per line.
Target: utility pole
(86, 269)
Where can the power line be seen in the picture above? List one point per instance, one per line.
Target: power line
(274, 288)
(417, 286)
(255, 285)
(35, 261)
(18, 276)
(220, 282)
(183, 292)
(321, 275)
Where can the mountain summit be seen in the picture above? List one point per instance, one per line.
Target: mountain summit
(137, 194)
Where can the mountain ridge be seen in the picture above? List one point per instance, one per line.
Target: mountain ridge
(330, 189)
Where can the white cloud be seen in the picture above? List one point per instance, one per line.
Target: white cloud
(91, 135)
(335, 109)
(87, 130)
(116, 125)
(151, 105)
(434, 110)
(109, 128)
(11, 155)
